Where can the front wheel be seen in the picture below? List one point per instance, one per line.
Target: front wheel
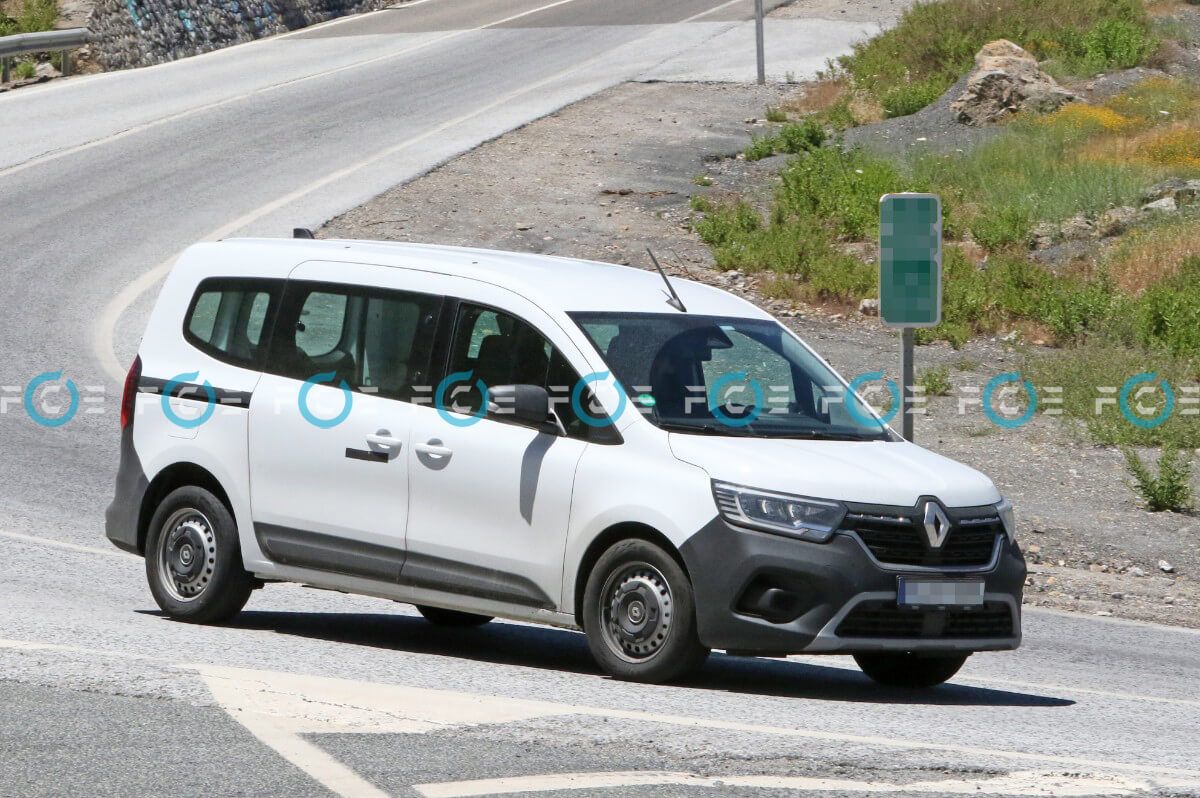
(194, 559)
(440, 617)
(639, 614)
(910, 669)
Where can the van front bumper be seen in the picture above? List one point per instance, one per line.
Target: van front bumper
(759, 593)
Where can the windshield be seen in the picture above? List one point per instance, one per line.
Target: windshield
(726, 376)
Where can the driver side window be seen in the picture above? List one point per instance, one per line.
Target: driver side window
(749, 373)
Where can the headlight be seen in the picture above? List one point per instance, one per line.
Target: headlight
(1008, 518)
(796, 516)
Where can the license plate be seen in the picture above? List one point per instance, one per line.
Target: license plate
(939, 592)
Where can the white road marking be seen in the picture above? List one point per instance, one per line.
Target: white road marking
(278, 706)
(60, 544)
(721, 7)
(1016, 784)
(56, 154)
(103, 343)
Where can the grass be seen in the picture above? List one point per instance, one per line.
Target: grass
(935, 43)
(935, 381)
(776, 114)
(1169, 489)
(1042, 169)
(1153, 253)
(702, 180)
(1082, 373)
(34, 16)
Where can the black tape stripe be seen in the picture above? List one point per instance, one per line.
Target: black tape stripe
(190, 390)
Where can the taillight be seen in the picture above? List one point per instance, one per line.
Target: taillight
(130, 394)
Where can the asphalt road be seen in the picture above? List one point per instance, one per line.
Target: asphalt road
(103, 179)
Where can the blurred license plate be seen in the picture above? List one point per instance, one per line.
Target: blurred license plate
(939, 592)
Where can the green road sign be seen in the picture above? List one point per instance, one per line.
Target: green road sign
(910, 260)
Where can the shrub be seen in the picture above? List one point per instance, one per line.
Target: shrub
(1169, 489)
(760, 147)
(24, 70)
(802, 137)
(1168, 313)
(935, 381)
(37, 15)
(724, 223)
(776, 114)
(841, 187)
(1116, 43)
(908, 98)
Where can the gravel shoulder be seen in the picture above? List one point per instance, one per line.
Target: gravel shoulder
(607, 177)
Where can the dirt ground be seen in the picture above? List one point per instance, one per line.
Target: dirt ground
(609, 176)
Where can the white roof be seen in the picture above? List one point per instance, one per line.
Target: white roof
(555, 283)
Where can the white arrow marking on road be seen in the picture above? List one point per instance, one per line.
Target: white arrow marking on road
(278, 707)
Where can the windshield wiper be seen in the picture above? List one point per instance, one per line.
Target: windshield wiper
(702, 429)
(822, 435)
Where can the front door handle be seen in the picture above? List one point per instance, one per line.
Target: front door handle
(384, 441)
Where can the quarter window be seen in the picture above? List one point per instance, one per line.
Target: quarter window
(227, 318)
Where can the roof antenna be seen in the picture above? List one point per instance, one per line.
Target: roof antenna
(674, 300)
(301, 232)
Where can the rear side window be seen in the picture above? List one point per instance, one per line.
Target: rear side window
(378, 341)
(228, 316)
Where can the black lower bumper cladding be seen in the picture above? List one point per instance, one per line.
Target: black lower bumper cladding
(758, 592)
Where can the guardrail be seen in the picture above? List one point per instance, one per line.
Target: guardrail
(43, 41)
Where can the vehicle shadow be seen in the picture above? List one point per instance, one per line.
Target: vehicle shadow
(505, 643)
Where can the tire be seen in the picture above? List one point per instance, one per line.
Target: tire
(909, 669)
(440, 617)
(639, 613)
(194, 558)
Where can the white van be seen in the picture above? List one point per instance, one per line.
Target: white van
(490, 434)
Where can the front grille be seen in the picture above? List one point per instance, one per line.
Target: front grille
(885, 619)
(900, 539)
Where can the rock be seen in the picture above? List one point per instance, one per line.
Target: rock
(1006, 79)
(1115, 221)
(1164, 205)
(1168, 599)
(869, 307)
(1078, 228)
(1044, 235)
(1135, 571)
(1166, 567)
(1184, 192)
(45, 70)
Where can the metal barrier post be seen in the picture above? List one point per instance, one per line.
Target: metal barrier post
(66, 63)
(5, 70)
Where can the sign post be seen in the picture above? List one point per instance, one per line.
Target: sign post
(910, 277)
(758, 33)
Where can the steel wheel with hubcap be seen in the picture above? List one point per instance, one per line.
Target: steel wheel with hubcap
(194, 559)
(639, 614)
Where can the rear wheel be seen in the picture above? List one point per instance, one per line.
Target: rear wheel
(194, 559)
(910, 669)
(440, 617)
(640, 616)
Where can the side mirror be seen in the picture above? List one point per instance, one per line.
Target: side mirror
(528, 405)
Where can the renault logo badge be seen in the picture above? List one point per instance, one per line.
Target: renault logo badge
(937, 525)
